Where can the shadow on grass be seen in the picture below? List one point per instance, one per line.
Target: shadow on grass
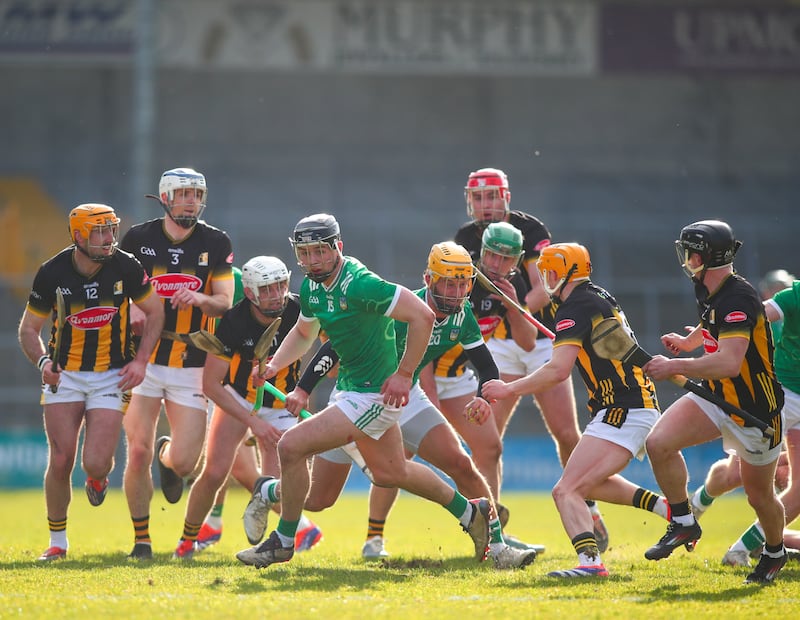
(230, 574)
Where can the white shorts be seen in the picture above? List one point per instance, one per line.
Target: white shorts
(279, 418)
(511, 359)
(183, 386)
(745, 441)
(628, 430)
(99, 390)
(367, 411)
(453, 387)
(791, 410)
(418, 417)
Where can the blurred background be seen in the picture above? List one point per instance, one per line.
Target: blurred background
(618, 122)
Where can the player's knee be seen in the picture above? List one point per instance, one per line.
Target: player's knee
(97, 468)
(182, 465)
(60, 464)
(387, 477)
(291, 448)
(139, 456)
(317, 502)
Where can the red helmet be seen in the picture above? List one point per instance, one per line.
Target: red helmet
(492, 184)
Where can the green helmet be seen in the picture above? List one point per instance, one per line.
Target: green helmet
(502, 238)
(505, 240)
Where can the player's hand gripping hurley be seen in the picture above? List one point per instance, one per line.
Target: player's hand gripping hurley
(490, 286)
(261, 353)
(611, 341)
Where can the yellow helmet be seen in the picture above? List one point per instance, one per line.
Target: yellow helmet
(451, 264)
(570, 261)
(88, 217)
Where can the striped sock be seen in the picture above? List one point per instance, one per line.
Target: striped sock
(58, 532)
(375, 528)
(191, 530)
(585, 545)
(141, 529)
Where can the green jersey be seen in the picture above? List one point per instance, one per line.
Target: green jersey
(787, 346)
(460, 328)
(354, 313)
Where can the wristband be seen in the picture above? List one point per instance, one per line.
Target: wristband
(41, 362)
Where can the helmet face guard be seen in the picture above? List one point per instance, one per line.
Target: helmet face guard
(449, 277)
(267, 279)
(504, 240)
(313, 239)
(569, 261)
(487, 196)
(98, 226)
(182, 188)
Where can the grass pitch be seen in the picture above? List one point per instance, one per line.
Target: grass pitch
(430, 573)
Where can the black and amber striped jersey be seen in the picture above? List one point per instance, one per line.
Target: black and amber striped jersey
(195, 262)
(490, 313)
(97, 329)
(239, 332)
(611, 384)
(535, 236)
(735, 310)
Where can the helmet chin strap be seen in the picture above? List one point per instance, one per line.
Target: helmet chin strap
(320, 277)
(183, 222)
(271, 314)
(556, 296)
(96, 259)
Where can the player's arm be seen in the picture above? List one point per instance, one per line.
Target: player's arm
(478, 409)
(213, 305)
(773, 311)
(414, 311)
(553, 372)
(536, 298)
(677, 343)
(152, 308)
(132, 374)
(522, 331)
(214, 373)
(481, 359)
(726, 361)
(297, 341)
(427, 381)
(30, 338)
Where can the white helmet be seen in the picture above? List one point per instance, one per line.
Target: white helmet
(263, 271)
(179, 178)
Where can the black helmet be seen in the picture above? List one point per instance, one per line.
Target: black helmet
(713, 240)
(316, 228)
(319, 229)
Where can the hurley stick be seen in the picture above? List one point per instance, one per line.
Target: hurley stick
(611, 341)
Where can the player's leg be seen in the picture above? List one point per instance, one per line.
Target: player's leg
(103, 427)
(483, 440)
(62, 424)
(557, 406)
(723, 476)
(140, 423)
(381, 502)
(751, 542)
(757, 480)
(324, 431)
(225, 435)
(592, 462)
(682, 425)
